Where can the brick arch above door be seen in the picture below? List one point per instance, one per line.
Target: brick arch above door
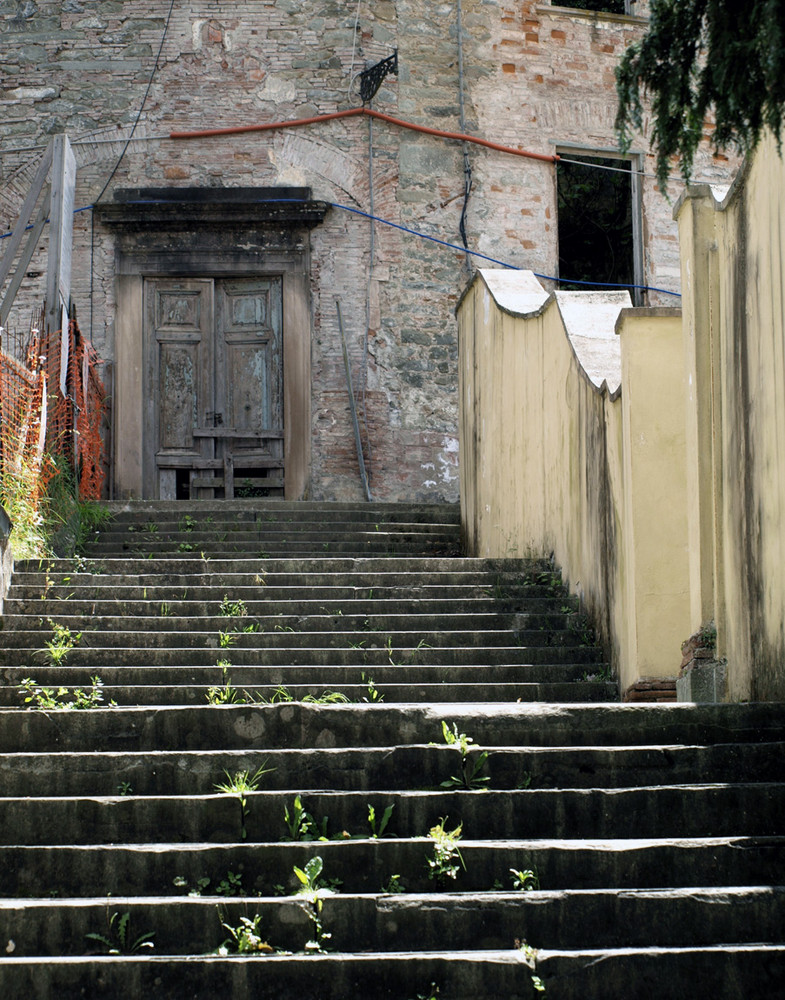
(213, 235)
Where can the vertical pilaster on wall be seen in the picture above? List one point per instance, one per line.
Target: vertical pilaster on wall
(698, 246)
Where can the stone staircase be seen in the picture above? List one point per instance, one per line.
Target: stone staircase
(321, 661)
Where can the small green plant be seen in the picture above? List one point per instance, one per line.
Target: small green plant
(239, 785)
(166, 609)
(447, 860)
(151, 527)
(233, 609)
(382, 825)
(195, 890)
(530, 957)
(328, 698)
(301, 824)
(312, 887)
(280, 694)
(526, 880)
(374, 694)
(224, 694)
(48, 699)
(119, 940)
(470, 766)
(186, 547)
(124, 788)
(431, 993)
(602, 673)
(394, 885)
(187, 523)
(245, 939)
(230, 885)
(60, 645)
(226, 639)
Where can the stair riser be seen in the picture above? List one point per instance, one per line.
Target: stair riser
(689, 811)
(388, 924)
(380, 769)
(366, 866)
(294, 725)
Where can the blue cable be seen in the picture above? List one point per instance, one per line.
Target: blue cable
(433, 239)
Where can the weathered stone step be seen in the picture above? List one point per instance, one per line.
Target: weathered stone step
(158, 868)
(234, 530)
(693, 810)
(176, 772)
(712, 973)
(160, 636)
(169, 617)
(476, 975)
(263, 727)
(260, 507)
(401, 922)
(518, 691)
(361, 659)
(541, 614)
(309, 676)
(719, 972)
(272, 547)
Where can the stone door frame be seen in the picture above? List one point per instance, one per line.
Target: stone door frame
(233, 235)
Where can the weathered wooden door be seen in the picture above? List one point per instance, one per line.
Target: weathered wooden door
(213, 386)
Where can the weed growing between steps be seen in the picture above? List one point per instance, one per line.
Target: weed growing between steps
(119, 940)
(48, 699)
(446, 862)
(239, 785)
(470, 768)
(60, 645)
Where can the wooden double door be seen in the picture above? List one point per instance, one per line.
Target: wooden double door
(213, 388)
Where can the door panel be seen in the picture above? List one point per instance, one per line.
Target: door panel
(213, 390)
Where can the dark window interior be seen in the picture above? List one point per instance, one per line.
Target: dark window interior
(609, 6)
(595, 221)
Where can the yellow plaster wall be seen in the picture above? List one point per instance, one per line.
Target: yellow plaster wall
(733, 259)
(555, 460)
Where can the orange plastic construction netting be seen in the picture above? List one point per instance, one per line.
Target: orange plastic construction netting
(40, 423)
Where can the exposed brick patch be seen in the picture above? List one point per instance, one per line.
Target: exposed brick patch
(660, 690)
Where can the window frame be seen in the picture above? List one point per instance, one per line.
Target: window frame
(636, 162)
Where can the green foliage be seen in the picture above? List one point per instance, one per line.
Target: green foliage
(374, 695)
(301, 824)
(314, 888)
(233, 609)
(230, 885)
(526, 880)
(470, 767)
(699, 57)
(245, 938)
(119, 940)
(225, 694)
(48, 699)
(239, 785)
(382, 826)
(394, 885)
(60, 645)
(193, 890)
(446, 861)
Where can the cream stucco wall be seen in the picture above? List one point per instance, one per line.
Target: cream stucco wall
(733, 272)
(572, 440)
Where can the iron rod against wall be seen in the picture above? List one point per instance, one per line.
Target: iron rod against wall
(353, 405)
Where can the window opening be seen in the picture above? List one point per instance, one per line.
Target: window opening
(598, 228)
(605, 6)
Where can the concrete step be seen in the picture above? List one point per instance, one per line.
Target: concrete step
(178, 772)
(359, 693)
(661, 811)
(265, 727)
(209, 651)
(653, 830)
(366, 866)
(383, 923)
(719, 973)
